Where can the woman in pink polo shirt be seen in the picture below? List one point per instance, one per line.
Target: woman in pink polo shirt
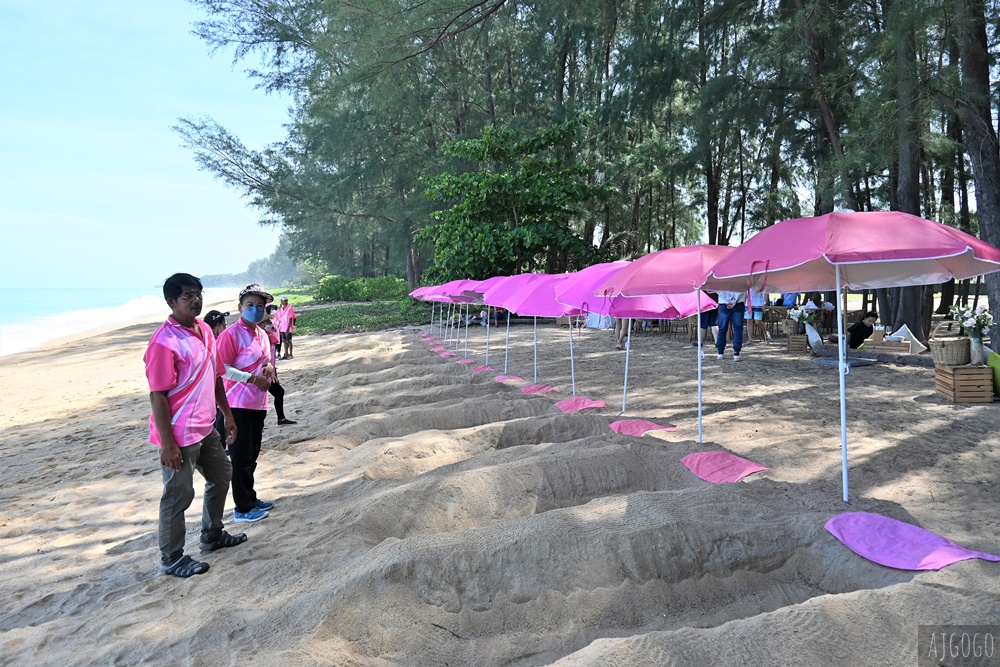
(245, 347)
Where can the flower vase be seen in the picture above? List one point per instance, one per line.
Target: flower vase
(977, 356)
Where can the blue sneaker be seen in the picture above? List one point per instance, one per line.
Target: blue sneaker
(252, 516)
(263, 505)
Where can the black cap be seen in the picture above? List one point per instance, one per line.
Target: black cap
(214, 317)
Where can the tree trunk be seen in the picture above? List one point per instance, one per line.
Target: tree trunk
(909, 300)
(977, 122)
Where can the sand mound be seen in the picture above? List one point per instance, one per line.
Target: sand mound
(427, 515)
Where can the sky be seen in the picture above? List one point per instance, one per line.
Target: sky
(96, 190)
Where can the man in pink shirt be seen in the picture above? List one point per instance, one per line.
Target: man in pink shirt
(185, 385)
(286, 326)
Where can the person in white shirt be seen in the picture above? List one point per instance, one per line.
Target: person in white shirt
(732, 308)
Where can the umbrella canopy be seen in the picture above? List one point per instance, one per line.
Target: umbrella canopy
(476, 292)
(671, 271)
(421, 293)
(871, 250)
(538, 298)
(577, 290)
(862, 250)
(453, 291)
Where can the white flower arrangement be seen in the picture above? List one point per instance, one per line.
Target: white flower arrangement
(801, 315)
(976, 321)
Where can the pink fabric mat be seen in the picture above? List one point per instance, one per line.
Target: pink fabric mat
(512, 378)
(719, 467)
(578, 403)
(538, 389)
(466, 361)
(447, 354)
(480, 369)
(897, 544)
(637, 426)
(439, 348)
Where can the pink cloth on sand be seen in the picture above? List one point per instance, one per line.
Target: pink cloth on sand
(439, 348)
(719, 467)
(637, 426)
(447, 354)
(537, 389)
(466, 361)
(898, 544)
(512, 378)
(480, 369)
(578, 403)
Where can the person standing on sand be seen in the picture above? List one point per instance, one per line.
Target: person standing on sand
(286, 327)
(245, 347)
(276, 390)
(732, 308)
(185, 386)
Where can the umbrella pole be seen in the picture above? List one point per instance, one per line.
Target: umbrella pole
(467, 314)
(628, 351)
(430, 329)
(458, 331)
(701, 356)
(488, 318)
(506, 344)
(842, 369)
(572, 364)
(534, 335)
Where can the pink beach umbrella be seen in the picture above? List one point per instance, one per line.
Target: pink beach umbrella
(423, 294)
(528, 294)
(671, 271)
(476, 293)
(455, 292)
(852, 250)
(578, 290)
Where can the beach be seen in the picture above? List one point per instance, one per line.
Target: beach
(429, 515)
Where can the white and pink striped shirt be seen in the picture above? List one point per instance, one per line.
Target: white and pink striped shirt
(247, 349)
(183, 362)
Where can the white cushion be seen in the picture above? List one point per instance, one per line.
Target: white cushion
(904, 333)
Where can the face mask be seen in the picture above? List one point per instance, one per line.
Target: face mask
(253, 314)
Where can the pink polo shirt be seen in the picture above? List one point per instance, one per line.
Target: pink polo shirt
(184, 363)
(286, 315)
(247, 350)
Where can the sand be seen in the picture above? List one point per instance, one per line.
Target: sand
(426, 515)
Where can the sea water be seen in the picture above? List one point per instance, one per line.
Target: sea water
(30, 317)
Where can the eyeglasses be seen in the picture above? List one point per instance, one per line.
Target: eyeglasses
(191, 296)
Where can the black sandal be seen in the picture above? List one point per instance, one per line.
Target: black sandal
(224, 540)
(185, 566)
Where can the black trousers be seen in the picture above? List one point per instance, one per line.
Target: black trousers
(278, 392)
(243, 454)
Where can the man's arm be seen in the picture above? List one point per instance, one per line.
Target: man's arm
(227, 414)
(170, 453)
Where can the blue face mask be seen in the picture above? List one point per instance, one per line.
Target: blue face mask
(253, 314)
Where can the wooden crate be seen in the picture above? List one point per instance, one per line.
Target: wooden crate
(964, 384)
(798, 343)
(887, 347)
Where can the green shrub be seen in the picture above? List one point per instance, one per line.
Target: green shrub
(339, 288)
(362, 317)
(386, 288)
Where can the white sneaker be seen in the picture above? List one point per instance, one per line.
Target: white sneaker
(737, 357)
(720, 356)
(767, 338)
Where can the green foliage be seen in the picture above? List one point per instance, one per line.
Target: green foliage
(363, 317)
(340, 288)
(513, 212)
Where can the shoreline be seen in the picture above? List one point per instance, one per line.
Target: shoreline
(215, 300)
